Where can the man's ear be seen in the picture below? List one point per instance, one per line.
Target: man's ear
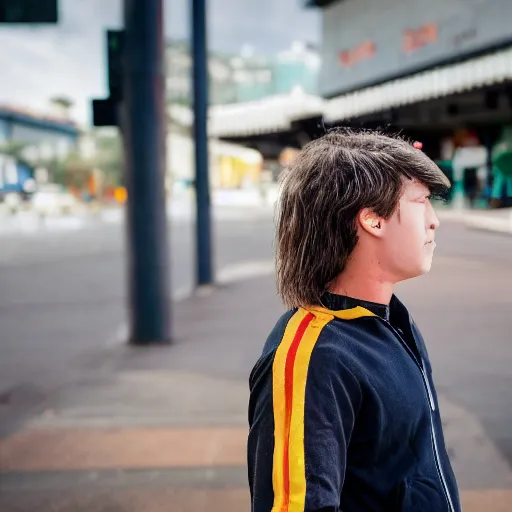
(370, 222)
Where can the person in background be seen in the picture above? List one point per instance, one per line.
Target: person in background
(343, 412)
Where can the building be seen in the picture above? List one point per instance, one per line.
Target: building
(299, 66)
(259, 77)
(35, 137)
(243, 77)
(252, 75)
(231, 166)
(47, 136)
(179, 76)
(442, 75)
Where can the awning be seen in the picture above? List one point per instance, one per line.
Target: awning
(269, 115)
(443, 81)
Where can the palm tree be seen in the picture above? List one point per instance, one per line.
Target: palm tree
(63, 104)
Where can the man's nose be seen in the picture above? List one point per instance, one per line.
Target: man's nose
(433, 218)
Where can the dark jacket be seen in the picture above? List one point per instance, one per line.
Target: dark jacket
(344, 416)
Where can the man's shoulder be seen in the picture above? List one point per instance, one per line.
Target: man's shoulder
(329, 340)
(293, 324)
(329, 347)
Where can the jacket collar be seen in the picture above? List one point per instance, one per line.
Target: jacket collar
(343, 303)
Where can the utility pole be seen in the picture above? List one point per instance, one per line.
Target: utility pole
(142, 120)
(204, 270)
(137, 104)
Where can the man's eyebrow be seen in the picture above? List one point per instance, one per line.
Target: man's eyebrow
(421, 194)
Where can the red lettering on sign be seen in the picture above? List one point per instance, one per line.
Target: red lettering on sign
(414, 39)
(363, 51)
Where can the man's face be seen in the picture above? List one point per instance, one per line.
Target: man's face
(408, 236)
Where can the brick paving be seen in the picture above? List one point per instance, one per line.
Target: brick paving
(127, 448)
(165, 429)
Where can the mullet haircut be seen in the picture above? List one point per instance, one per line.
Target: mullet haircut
(330, 181)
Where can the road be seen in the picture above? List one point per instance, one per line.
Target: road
(62, 294)
(463, 308)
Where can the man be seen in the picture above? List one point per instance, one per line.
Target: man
(343, 413)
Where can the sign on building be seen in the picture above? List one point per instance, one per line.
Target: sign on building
(367, 42)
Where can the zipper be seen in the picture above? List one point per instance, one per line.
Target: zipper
(429, 390)
(434, 440)
(430, 398)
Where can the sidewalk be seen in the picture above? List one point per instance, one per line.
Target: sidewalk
(164, 428)
(498, 221)
(226, 204)
(179, 210)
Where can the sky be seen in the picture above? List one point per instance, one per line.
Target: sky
(40, 62)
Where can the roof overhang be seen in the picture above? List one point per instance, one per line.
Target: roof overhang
(458, 78)
(317, 3)
(270, 115)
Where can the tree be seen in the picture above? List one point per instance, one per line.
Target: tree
(109, 157)
(62, 103)
(13, 148)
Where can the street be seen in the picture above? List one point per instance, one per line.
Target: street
(62, 293)
(195, 116)
(62, 300)
(463, 308)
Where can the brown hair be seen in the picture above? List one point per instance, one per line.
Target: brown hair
(324, 189)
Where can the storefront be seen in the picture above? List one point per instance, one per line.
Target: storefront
(433, 73)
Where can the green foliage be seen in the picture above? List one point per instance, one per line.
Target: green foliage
(109, 157)
(13, 148)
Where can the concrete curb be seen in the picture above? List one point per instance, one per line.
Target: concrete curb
(479, 221)
(497, 225)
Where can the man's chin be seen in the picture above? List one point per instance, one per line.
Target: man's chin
(426, 268)
(418, 272)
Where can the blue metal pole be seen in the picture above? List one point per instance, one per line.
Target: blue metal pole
(143, 119)
(204, 271)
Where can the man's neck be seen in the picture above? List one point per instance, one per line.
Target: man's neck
(362, 285)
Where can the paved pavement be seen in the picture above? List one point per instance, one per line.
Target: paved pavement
(226, 205)
(63, 293)
(131, 429)
(498, 221)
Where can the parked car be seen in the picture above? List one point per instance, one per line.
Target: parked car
(12, 201)
(53, 200)
(16, 183)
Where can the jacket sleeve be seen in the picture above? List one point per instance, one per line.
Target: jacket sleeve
(332, 399)
(300, 428)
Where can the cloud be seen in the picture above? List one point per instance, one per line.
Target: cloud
(40, 62)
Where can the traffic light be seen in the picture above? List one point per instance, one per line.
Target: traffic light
(104, 111)
(115, 47)
(29, 11)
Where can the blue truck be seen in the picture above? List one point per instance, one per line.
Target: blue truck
(16, 180)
